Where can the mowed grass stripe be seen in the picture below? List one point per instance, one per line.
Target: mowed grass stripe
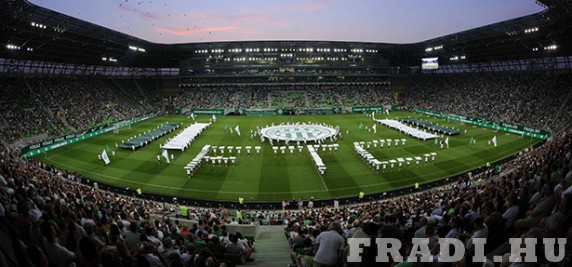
(263, 177)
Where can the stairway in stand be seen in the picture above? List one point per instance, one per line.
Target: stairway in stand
(271, 248)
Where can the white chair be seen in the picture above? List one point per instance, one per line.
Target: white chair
(257, 148)
(408, 161)
(417, 160)
(392, 163)
(232, 159)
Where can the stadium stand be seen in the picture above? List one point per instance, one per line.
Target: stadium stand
(54, 217)
(540, 99)
(39, 201)
(49, 107)
(282, 96)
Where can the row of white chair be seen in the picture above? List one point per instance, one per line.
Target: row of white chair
(238, 149)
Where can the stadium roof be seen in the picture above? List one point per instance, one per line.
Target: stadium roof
(35, 33)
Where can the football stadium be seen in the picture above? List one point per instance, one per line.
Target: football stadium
(127, 140)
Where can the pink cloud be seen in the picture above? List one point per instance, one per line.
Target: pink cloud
(194, 31)
(314, 6)
(140, 13)
(234, 18)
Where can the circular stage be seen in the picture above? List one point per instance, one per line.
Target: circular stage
(310, 132)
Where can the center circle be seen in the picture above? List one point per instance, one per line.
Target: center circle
(309, 132)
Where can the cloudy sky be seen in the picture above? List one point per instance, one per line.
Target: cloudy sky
(388, 21)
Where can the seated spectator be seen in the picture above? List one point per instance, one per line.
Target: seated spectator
(329, 246)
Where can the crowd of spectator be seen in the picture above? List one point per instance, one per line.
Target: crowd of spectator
(49, 218)
(23, 115)
(220, 97)
(56, 106)
(533, 200)
(536, 99)
(99, 102)
(46, 212)
(283, 96)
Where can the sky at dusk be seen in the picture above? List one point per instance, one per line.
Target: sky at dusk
(386, 21)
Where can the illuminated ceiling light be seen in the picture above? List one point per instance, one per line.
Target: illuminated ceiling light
(428, 49)
(104, 59)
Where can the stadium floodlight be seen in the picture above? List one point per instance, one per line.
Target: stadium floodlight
(12, 47)
(38, 25)
(531, 30)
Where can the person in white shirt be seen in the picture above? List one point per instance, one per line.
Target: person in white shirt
(329, 245)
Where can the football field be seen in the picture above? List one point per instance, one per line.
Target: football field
(273, 177)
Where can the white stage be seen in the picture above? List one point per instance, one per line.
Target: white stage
(186, 137)
(419, 134)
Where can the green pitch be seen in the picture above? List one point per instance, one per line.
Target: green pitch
(270, 177)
